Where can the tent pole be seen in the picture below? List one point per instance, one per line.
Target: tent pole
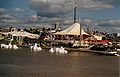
(80, 33)
(51, 40)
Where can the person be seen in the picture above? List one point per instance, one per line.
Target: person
(109, 50)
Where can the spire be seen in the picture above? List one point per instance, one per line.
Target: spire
(75, 8)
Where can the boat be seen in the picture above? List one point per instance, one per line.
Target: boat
(80, 49)
(59, 50)
(106, 52)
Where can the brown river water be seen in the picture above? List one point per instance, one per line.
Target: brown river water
(25, 63)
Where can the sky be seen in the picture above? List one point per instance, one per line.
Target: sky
(102, 12)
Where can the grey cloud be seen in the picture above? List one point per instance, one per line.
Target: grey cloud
(112, 22)
(6, 17)
(64, 20)
(2, 11)
(16, 15)
(52, 8)
(49, 8)
(8, 21)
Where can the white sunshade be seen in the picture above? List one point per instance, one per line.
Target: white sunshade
(73, 30)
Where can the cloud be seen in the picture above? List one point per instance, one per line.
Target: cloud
(93, 5)
(53, 8)
(8, 21)
(61, 20)
(49, 8)
(6, 17)
(108, 25)
(16, 15)
(31, 19)
(18, 10)
(115, 22)
(2, 11)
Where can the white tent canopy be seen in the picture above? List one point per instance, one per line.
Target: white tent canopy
(73, 30)
(23, 34)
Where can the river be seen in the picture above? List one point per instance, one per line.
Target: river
(25, 63)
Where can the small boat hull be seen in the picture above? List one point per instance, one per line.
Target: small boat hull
(111, 53)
